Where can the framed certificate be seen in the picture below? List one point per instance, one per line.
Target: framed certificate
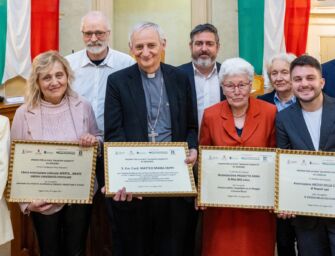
(305, 182)
(148, 169)
(238, 177)
(56, 172)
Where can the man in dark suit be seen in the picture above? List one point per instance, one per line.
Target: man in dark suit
(203, 73)
(203, 70)
(309, 125)
(328, 73)
(150, 101)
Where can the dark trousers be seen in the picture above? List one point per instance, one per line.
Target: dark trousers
(318, 240)
(153, 227)
(63, 233)
(99, 171)
(285, 238)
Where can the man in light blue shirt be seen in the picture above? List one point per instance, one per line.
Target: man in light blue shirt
(282, 96)
(283, 104)
(278, 69)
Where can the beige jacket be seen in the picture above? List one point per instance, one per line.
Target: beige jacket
(6, 231)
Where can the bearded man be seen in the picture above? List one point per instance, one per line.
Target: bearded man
(203, 73)
(203, 70)
(94, 64)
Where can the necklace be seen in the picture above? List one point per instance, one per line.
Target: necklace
(152, 135)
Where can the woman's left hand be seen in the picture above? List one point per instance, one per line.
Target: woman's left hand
(87, 140)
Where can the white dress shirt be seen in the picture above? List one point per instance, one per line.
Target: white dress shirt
(90, 80)
(208, 90)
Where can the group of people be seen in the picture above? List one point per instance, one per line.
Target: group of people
(99, 94)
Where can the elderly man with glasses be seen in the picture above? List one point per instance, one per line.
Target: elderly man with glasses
(93, 65)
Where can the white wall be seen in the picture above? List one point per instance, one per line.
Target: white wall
(321, 23)
(70, 36)
(224, 17)
(174, 16)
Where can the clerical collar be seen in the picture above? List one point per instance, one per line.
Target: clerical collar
(151, 75)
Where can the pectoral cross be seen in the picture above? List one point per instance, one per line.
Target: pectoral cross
(152, 135)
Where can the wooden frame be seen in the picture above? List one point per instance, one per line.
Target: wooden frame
(313, 182)
(231, 184)
(51, 171)
(138, 150)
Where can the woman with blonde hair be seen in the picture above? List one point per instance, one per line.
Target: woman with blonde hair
(54, 112)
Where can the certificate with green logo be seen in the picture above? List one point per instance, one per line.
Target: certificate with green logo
(305, 183)
(56, 172)
(148, 169)
(238, 177)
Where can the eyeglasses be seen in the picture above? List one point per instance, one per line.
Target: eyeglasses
(241, 86)
(98, 34)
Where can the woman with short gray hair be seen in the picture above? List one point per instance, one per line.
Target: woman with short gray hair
(239, 121)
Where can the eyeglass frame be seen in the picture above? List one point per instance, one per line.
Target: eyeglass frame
(232, 87)
(98, 34)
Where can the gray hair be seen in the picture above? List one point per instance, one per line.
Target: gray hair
(95, 15)
(143, 25)
(287, 57)
(236, 66)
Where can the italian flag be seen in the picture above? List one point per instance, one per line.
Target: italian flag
(268, 27)
(27, 28)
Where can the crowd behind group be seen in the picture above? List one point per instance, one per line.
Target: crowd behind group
(101, 95)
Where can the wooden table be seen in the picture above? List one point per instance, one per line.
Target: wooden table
(8, 110)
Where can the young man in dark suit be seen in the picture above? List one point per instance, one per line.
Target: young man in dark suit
(150, 101)
(309, 125)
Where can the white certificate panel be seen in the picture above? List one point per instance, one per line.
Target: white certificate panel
(237, 177)
(148, 169)
(306, 183)
(56, 172)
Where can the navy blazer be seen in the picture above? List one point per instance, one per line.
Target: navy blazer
(328, 73)
(188, 69)
(292, 133)
(269, 97)
(126, 112)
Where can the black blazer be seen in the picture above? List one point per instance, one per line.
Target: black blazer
(125, 108)
(328, 73)
(269, 97)
(292, 133)
(188, 69)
